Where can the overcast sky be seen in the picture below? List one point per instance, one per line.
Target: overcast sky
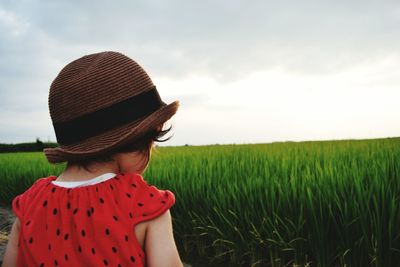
(244, 71)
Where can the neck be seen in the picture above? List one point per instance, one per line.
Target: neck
(121, 162)
(78, 173)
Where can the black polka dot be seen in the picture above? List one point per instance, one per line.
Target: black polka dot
(105, 262)
(27, 223)
(58, 231)
(114, 249)
(115, 218)
(66, 237)
(68, 205)
(79, 248)
(93, 251)
(128, 195)
(140, 204)
(45, 203)
(68, 190)
(132, 259)
(30, 240)
(151, 195)
(144, 214)
(66, 257)
(119, 265)
(126, 238)
(55, 211)
(53, 189)
(130, 215)
(101, 200)
(88, 213)
(97, 189)
(112, 187)
(92, 210)
(107, 231)
(49, 246)
(163, 202)
(75, 211)
(133, 185)
(55, 262)
(83, 232)
(41, 265)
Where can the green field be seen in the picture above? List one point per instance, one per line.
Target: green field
(331, 203)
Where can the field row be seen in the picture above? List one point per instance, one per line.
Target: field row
(332, 203)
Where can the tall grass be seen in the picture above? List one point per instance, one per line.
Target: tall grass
(332, 203)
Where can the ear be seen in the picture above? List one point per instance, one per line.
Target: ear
(159, 127)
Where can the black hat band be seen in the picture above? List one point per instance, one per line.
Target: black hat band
(99, 121)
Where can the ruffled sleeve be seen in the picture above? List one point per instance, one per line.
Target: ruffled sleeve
(149, 201)
(18, 206)
(20, 202)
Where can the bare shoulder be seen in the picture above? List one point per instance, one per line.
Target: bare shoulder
(160, 244)
(164, 217)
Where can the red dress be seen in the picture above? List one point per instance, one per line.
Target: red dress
(92, 225)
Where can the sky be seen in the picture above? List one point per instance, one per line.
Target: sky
(243, 71)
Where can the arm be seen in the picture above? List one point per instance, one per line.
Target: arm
(10, 256)
(160, 245)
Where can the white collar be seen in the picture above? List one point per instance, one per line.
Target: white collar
(71, 184)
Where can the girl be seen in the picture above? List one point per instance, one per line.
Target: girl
(99, 211)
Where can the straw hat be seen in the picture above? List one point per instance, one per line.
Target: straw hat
(101, 101)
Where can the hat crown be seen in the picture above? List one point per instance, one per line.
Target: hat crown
(94, 82)
(100, 102)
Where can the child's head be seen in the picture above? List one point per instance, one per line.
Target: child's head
(140, 148)
(102, 105)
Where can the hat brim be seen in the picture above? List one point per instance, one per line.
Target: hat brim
(110, 139)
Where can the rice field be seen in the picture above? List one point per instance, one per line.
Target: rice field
(321, 203)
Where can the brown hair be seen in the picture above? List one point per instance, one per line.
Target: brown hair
(142, 144)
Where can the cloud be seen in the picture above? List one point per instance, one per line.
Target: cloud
(224, 42)
(222, 39)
